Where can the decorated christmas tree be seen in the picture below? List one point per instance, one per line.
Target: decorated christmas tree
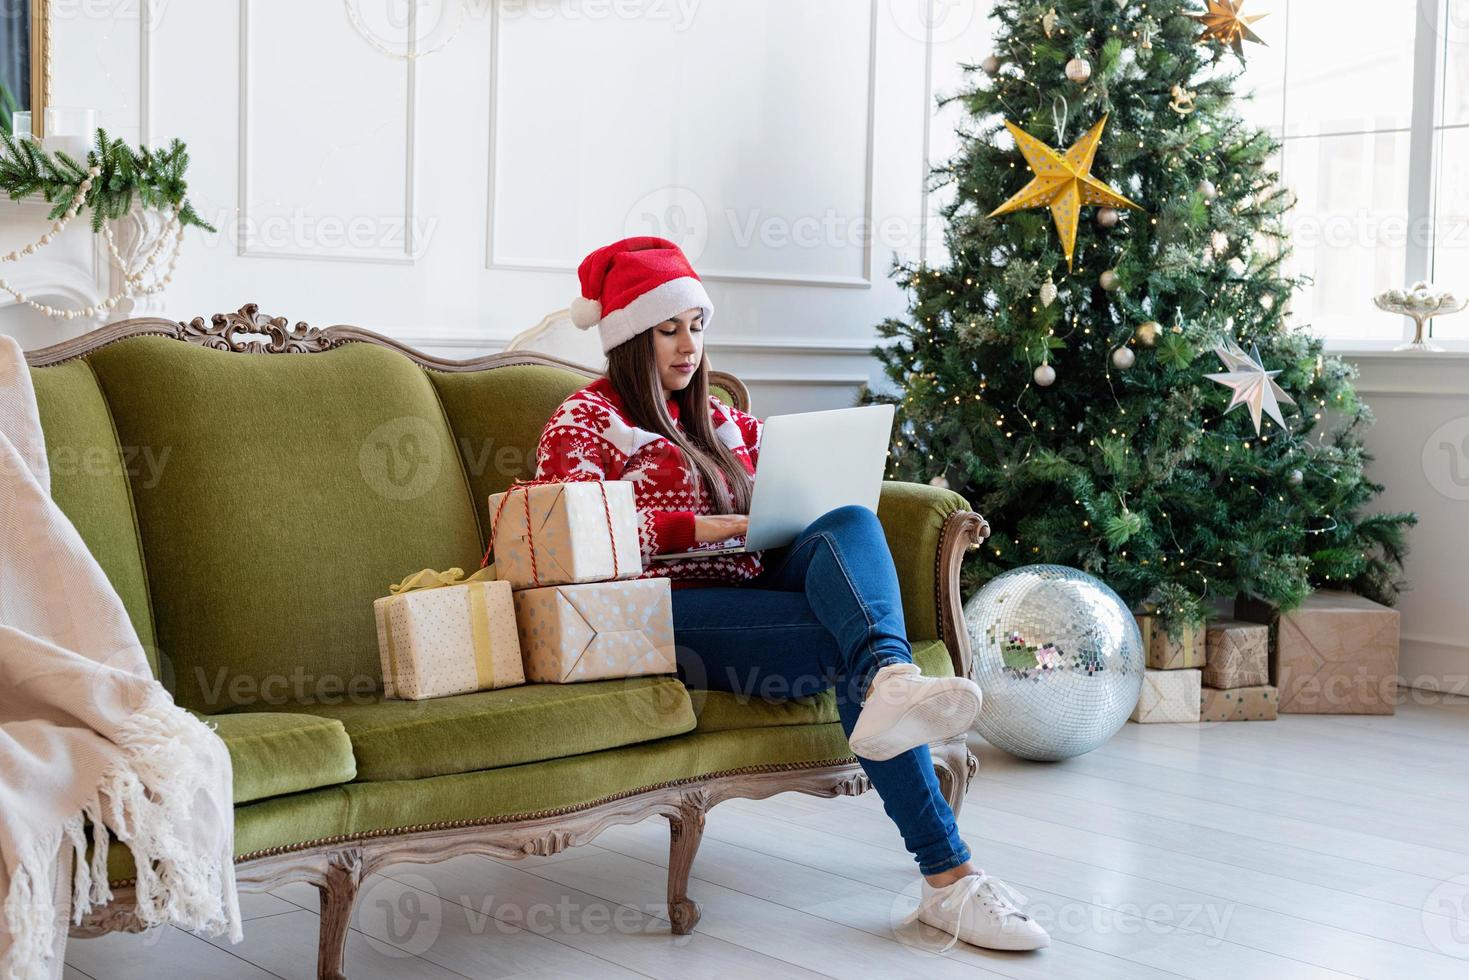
(1106, 365)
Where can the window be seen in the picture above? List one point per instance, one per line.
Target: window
(1371, 105)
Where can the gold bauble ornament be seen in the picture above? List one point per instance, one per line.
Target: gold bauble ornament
(1107, 217)
(1108, 280)
(1078, 70)
(1147, 333)
(1063, 181)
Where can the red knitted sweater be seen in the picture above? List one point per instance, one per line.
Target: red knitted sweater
(589, 435)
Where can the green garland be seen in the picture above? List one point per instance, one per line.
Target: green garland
(154, 177)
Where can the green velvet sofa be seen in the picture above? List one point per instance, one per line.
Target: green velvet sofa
(250, 487)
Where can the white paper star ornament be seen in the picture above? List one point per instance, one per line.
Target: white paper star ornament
(1251, 383)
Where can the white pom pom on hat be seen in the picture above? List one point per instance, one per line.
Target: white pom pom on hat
(633, 285)
(585, 313)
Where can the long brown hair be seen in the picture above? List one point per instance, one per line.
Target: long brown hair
(632, 367)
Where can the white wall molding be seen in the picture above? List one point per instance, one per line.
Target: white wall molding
(410, 143)
(864, 281)
(821, 347)
(1411, 373)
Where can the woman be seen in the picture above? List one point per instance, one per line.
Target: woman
(827, 612)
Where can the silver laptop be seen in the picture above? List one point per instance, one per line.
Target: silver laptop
(810, 463)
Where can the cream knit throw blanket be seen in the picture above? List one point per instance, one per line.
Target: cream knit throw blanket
(88, 739)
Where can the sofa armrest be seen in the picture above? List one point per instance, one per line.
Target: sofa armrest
(928, 531)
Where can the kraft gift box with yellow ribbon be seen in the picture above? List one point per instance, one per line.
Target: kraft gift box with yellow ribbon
(596, 630)
(564, 533)
(1184, 649)
(439, 634)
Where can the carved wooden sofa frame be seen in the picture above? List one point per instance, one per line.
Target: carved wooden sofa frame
(337, 866)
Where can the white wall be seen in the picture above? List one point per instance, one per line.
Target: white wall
(446, 200)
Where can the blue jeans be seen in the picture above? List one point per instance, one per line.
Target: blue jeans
(827, 613)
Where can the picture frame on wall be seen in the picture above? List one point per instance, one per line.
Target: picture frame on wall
(24, 62)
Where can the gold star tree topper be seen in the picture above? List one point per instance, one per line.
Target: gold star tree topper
(1223, 23)
(1063, 181)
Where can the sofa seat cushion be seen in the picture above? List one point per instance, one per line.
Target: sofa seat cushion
(720, 711)
(275, 753)
(368, 809)
(505, 727)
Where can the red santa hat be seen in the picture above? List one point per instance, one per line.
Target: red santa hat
(634, 285)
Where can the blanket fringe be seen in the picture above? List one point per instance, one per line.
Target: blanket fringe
(146, 800)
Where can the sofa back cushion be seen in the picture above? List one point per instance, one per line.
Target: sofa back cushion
(497, 416)
(89, 482)
(293, 488)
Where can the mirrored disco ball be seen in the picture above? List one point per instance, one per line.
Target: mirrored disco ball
(1059, 658)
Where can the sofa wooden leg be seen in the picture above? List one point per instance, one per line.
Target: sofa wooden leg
(685, 831)
(954, 765)
(338, 895)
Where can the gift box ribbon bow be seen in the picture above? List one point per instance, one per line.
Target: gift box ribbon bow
(430, 579)
(479, 615)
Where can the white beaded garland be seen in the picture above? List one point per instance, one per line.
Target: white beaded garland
(133, 284)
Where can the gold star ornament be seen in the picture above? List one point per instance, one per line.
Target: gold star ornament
(1223, 23)
(1063, 181)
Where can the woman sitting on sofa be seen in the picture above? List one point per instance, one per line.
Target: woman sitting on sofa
(827, 613)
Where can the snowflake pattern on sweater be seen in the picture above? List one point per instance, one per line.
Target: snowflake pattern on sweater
(589, 436)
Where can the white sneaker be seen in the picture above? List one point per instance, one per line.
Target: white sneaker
(904, 709)
(980, 910)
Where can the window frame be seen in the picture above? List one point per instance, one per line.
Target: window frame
(1425, 137)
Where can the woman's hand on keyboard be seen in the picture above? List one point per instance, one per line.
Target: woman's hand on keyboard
(719, 527)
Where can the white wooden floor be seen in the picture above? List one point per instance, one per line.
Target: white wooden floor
(1308, 847)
